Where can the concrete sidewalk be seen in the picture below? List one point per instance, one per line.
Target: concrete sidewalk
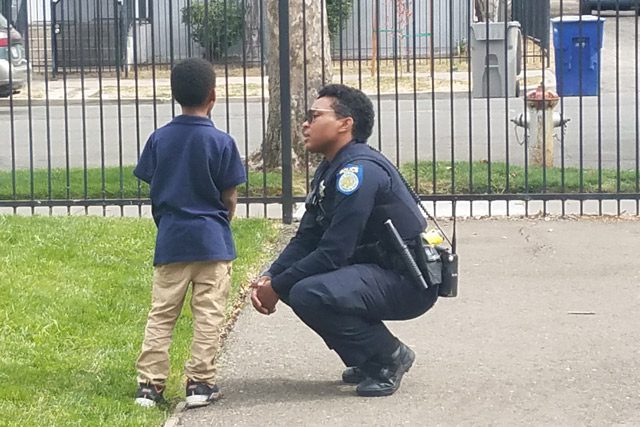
(93, 90)
(545, 332)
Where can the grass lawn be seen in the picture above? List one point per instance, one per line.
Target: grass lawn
(469, 178)
(74, 296)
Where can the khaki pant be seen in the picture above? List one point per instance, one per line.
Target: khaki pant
(211, 282)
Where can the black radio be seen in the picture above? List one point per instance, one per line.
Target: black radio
(449, 284)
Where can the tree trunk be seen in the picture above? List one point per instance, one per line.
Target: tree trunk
(488, 10)
(309, 39)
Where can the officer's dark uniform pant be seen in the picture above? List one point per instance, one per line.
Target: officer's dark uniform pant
(346, 308)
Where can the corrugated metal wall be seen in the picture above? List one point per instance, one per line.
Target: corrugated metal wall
(161, 36)
(447, 28)
(445, 23)
(168, 35)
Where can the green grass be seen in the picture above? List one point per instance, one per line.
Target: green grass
(122, 184)
(74, 297)
(474, 179)
(112, 183)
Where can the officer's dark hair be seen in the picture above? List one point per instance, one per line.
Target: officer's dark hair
(351, 102)
(192, 80)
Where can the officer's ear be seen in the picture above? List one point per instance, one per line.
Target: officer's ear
(346, 124)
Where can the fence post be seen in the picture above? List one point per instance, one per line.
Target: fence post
(285, 112)
(54, 40)
(5, 9)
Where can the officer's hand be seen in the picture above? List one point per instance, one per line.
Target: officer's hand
(263, 297)
(260, 281)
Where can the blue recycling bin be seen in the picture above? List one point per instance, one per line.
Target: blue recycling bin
(577, 42)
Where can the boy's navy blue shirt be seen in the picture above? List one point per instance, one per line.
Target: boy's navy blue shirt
(188, 164)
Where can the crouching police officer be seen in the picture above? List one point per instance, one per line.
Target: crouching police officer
(338, 273)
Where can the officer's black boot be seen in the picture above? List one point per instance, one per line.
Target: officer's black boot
(385, 375)
(353, 375)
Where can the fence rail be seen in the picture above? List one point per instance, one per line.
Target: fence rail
(74, 121)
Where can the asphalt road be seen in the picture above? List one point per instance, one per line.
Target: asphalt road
(116, 136)
(609, 124)
(543, 333)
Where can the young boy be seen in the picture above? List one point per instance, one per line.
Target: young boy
(193, 170)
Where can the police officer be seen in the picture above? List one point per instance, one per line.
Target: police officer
(337, 273)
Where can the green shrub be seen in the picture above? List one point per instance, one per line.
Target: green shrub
(338, 12)
(211, 29)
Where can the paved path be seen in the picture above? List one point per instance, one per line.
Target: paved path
(545, 332)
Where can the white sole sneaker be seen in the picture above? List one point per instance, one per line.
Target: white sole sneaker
(145, 403)
(198, 400)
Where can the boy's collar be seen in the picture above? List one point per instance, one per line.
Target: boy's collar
(199, 120)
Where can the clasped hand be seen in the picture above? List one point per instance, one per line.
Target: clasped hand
(263, 297)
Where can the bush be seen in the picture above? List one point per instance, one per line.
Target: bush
(338, 10)
(211, 29)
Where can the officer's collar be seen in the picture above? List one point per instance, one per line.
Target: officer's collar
(344, 149)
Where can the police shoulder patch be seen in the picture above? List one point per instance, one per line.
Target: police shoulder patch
(349, 179)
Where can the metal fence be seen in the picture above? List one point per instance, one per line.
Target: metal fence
(97, 84)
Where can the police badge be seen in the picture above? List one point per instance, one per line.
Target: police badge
(349, 179)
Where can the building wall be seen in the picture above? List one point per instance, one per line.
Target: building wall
(159, 36)
(39, 11)
(162, 37)
(446, 26)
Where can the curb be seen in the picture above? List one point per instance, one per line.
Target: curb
(174, 419)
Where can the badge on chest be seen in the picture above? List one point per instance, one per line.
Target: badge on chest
(349, 179)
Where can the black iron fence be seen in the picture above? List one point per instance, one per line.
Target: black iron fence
(467, 109)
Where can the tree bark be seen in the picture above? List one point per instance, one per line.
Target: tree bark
(309, 40)
(489, 10)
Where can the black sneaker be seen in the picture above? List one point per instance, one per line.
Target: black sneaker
(385, 375)
(149, 395)
(353, 375)
(201, 394)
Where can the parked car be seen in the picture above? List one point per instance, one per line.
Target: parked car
(587, 6)
(13, 63)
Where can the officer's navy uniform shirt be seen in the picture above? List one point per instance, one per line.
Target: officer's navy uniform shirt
(360, 189)
(188, 164)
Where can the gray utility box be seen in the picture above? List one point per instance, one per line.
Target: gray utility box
(494, 71)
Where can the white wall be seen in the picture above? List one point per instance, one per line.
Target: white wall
(39, 11)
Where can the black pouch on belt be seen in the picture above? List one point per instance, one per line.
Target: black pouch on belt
(429, 261)
(439, 266)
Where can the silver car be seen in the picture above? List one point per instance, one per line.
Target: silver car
(13, 63)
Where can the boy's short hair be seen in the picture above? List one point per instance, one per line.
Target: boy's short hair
(351, 102)
(192, 80)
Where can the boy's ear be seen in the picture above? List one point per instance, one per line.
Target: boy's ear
(212, 95)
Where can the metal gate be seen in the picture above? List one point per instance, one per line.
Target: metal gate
(90, 35)
(534, 16)
(72, 135)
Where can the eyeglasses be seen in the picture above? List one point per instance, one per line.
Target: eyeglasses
(311, 113)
